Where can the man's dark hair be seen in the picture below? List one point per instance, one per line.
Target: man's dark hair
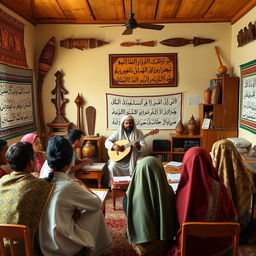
(74, 135)
(19, 155)
(2, 144)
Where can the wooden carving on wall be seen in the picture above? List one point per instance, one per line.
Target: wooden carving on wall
(81, 43)
(176, 42)
(79, 103)
(246, 35)
(148, 43)
(59, 101)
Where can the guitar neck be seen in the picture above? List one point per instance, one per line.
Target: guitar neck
(137, 140)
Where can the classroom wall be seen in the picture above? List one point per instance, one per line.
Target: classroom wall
(87, 72)
(241, 55)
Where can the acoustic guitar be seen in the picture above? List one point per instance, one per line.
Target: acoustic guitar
(119, 155)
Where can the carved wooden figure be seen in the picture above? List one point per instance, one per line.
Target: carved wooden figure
(246, 35)
(79, 103)
(59, 100)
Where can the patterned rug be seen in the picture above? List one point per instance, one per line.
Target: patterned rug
(116, 222)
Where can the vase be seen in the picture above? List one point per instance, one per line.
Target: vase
(88, 149)
(192, 126)
(216, 94)
(207, 96)
(179, 128)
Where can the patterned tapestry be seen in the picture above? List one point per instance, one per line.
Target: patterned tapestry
(17, 114)
(248, 96)
(12, 49)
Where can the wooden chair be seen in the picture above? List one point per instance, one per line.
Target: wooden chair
(210, 229)
(118, 189)
(11, 232)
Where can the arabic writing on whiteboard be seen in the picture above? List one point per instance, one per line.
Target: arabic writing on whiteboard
(154, 111)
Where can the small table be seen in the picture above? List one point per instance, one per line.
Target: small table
(94, 171)
(102, 194)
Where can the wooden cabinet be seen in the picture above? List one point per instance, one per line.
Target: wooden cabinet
(224, 116)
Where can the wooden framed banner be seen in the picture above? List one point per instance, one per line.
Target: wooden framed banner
(248, 96)
(143, 70)
(17, 114)
(149, 111)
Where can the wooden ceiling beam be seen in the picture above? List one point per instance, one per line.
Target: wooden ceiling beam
(175, 20)
(243, 11)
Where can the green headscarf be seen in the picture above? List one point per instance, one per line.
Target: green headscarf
(150, 203)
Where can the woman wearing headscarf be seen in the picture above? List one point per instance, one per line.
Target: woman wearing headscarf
(150, 209)
(236, 177)
(37, 147)
(201, 197)
(73, 220)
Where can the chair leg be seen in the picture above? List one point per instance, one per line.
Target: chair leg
(114, 198)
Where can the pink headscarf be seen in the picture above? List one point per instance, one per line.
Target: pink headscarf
(29, 138)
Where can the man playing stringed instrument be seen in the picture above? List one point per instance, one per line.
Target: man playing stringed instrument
(123, 159)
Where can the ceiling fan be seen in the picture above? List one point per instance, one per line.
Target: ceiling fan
(132, 24)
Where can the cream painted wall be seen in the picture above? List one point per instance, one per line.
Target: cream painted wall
(241, 55)
(87, 71)
(29, 40)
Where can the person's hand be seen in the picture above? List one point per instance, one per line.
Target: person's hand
(35, 174)
(87, 161)
(136, 145)
(118, 148)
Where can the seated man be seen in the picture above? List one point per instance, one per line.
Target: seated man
(75, 138)
(127, 131)
(23, 196)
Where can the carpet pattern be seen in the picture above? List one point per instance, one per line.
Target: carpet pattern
(116, 222)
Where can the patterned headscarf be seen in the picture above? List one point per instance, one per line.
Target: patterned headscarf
(234, 174)
(29, 138)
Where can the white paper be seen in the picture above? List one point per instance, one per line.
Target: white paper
(174, 186)
(100, 193)
(206, 123)
(121, 178)
(174, 163)
(175, 177)
(94, 166)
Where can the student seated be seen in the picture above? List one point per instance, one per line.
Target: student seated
(3, 161)
(236, 177)
(37, 147)
(150, 209)
(23, 197)
(75, 138)
(73, 219)
(201, 196)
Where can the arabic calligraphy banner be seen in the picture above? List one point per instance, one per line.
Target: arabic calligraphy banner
(143, 70)
(149, 112)
(17, 115)
(248, 107)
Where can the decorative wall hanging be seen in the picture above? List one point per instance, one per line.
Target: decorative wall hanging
(246, 35)
(17, 114)
(248, 96)
(176, 42)
(12, 49)
(222, 69)
(149, 111)
(148, 43)
(45, 62)
(143, 70)
(90, 113)
(82, 43)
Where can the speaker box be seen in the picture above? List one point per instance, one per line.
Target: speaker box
(161, 145)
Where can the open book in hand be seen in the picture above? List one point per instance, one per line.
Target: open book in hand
(173, 163)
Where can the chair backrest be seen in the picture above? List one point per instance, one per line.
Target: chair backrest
(211, 229)
(11, 232)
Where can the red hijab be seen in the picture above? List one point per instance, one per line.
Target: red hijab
(201, 197)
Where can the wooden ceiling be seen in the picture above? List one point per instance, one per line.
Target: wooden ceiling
(117, 11)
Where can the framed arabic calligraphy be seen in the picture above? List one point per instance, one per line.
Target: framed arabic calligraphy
(143, 70)
(248, 96)
(17, 115)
